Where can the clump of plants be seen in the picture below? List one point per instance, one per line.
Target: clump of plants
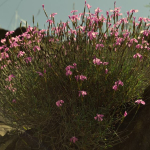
(73, 92)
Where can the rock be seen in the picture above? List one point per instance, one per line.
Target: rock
(138, 129)
(4, 129)
(31, 142)
(8, 141)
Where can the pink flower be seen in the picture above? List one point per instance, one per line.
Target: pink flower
(9, 77)
(125, 114)
(81, 77)
(58, 103)
(3, 40)
(140, 101)
(99, 117)
(69, 67)
(88, 6)
(133, 10)
(40, 74)
(83, 93)
(106, 70)
(43, 6)
(137, 54)
(36, 47)
(68, 72)
(28, 59)
(73, 139)
(14, 101)
(21, 53)
(74, 11)
(97, 61)
(115, 87)
(53, 14)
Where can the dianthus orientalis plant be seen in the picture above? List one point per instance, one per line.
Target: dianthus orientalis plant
(70, 86)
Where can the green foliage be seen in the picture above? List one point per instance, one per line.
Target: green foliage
(36, 95)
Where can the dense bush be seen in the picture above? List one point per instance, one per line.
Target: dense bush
(75, 89)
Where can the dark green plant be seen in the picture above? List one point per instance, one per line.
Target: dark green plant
(47, 95)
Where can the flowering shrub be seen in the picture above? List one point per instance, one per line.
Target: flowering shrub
(68, 89)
